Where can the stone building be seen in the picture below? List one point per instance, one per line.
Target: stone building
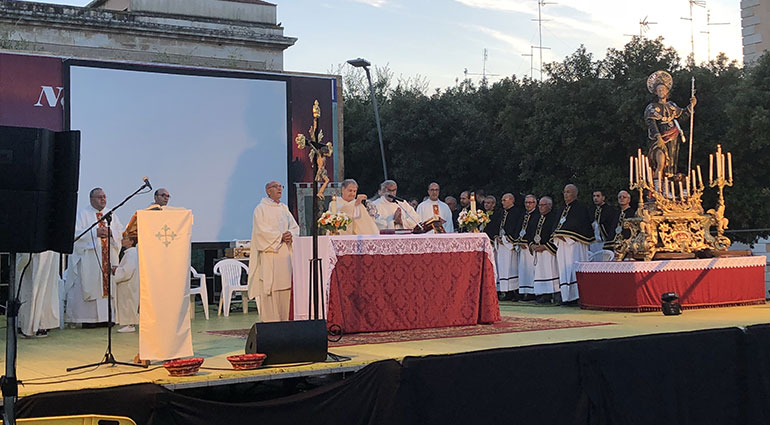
(755, 23)
(233, 34)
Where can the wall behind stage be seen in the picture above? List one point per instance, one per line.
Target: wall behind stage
(212, 141)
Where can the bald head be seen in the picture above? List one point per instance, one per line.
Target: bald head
(162, 196)
(624, 199)
(570, 193)
(465, 198)
(507, 200)
(545, 205)
(274, 190)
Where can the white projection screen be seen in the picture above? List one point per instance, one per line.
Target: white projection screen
(212, 141)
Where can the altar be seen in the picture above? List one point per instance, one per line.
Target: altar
(395, 282)
(638, 285)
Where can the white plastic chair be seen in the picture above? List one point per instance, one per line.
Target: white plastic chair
(200, 290)
(231, 271)
(602, 255)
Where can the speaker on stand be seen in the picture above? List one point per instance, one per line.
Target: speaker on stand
(39, 172)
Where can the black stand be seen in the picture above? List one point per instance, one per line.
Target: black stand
(9, 384)
(316, 265)
(108, 357)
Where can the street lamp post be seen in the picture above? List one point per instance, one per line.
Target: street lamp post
(363, 63)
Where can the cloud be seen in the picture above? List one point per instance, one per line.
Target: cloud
(374, 3)
(606, 22)
(502, 5)
(518, 44)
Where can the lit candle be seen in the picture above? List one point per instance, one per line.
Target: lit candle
(638, 167)
(660, 180)
(630, 170)
(718, 159)
(333, 204)
(711, 168)
(730, 166)
(693, 182)
(722, 166)
(700, 177)
(649, 173)
(473, 201)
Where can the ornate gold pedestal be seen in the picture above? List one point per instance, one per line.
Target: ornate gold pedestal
(671, 222)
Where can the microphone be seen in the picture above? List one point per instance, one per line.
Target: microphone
(395, 198)
(147, 182)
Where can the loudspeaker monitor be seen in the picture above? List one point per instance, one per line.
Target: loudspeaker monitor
(289, 342)
(38, 189)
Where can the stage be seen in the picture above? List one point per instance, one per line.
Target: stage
(42, 362)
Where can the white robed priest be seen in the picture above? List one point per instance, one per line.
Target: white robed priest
(39, 293)
(435, 207)
(353, 205)
(273, 231)
(127, 287)
(89, 273)
(392, 211)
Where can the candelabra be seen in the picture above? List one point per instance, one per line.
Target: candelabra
(670, 217)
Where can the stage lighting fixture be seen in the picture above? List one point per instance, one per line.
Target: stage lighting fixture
(669, 305)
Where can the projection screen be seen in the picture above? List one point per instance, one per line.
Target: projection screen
(212, 141)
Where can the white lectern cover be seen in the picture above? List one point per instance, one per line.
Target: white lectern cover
(164, 279)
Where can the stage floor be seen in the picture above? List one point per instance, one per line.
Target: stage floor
(42, 362)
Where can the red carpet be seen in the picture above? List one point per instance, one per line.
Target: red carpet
(508, 324)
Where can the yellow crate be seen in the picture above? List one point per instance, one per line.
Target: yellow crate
(77, 420)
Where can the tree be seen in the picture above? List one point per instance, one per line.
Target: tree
(579, 126)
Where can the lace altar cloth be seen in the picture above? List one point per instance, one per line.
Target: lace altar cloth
(395, 282)
(638, 285)
(670, 265)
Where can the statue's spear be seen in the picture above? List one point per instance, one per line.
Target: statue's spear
(692, 116)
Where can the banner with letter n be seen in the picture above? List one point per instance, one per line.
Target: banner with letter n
(164, 281)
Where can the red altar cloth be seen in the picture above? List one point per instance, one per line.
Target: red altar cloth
(638, 285)
(383, 283)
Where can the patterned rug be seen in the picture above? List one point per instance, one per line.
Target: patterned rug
(508, 324)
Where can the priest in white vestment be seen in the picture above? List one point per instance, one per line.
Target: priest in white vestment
(434, 206)
(393, 213)
(353, 205)
(127, 288)
(39, 293)
(88, 272)
(273, 230)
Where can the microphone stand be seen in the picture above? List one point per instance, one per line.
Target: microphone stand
(109, 358)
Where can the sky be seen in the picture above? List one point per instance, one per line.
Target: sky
(438, 40)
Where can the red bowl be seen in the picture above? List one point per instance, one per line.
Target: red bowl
(247, 361)
(183, 367)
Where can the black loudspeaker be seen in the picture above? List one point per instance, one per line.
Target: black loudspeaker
(38, 189)
(289, 342)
